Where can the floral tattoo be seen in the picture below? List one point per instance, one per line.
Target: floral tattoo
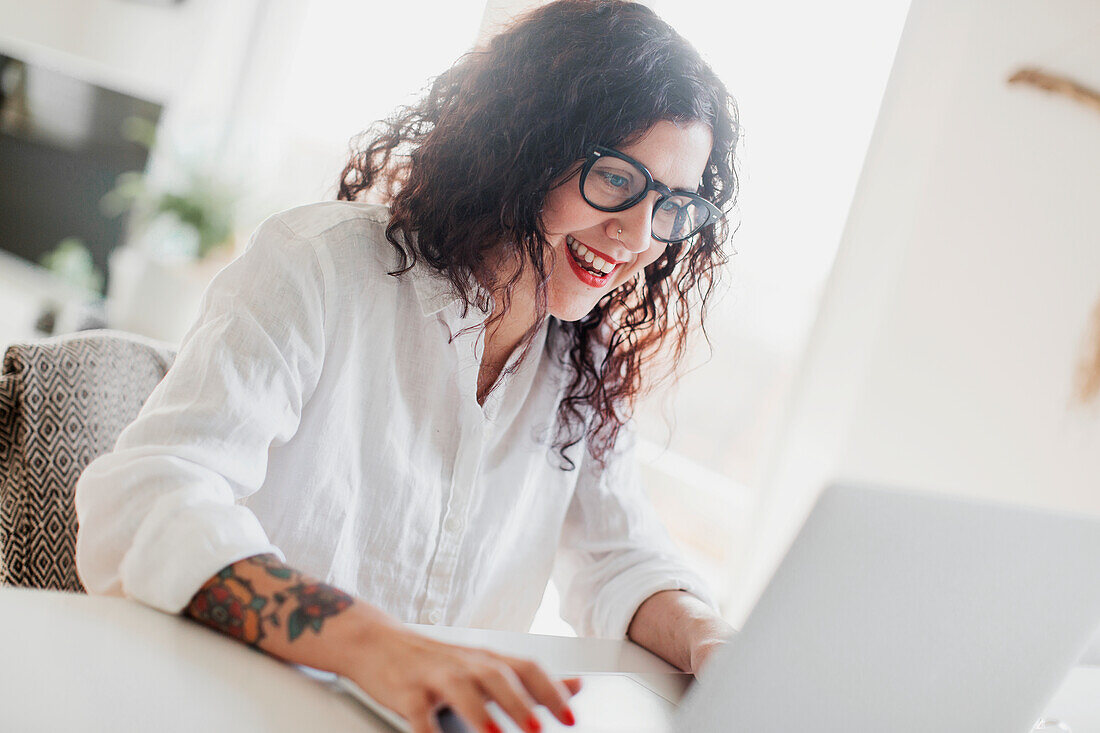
(231, 604)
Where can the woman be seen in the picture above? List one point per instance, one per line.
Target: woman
(408, 413)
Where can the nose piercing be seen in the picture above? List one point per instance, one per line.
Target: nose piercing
(619, 235)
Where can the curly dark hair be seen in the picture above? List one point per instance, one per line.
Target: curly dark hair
(469, 166)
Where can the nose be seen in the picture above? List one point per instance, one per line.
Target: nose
(636, 224)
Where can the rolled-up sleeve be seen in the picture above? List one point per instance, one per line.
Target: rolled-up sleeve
(159, 515)
(614, 551)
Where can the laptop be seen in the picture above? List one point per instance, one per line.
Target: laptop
(892, 611)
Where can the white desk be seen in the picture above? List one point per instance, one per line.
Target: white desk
(73, 662)
(78, 663)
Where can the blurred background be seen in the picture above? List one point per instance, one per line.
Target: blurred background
(142, 142)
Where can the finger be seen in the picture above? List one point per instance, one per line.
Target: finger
(424, 724)
(573, 684)
(421, 715)
(504, 686)
(466, 698)
(550, 692)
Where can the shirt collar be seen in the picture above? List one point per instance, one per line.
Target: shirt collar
(436, 292)
(433, 289)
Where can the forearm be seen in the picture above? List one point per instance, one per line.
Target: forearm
(675, 625)
(265, 604)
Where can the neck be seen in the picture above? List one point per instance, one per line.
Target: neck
(507, 332)
(502, 338)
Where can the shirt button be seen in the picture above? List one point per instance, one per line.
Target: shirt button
(454, 524)
(435, 616)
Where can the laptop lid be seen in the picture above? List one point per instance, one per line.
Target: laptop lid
(909, 612)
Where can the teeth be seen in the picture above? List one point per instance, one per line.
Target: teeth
(596, 262)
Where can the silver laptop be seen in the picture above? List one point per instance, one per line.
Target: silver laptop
(892, 611)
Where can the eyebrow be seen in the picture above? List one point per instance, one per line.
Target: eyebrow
(692, 189)
(678, 188)
(686, 188)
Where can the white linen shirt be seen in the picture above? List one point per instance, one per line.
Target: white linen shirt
(318, 410)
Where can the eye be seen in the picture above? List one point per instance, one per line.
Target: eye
(669, 208)
(614, 179)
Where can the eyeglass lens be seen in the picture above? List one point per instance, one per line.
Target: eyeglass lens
(612, 182)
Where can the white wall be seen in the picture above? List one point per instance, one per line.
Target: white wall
(144, 50)
(944, 353)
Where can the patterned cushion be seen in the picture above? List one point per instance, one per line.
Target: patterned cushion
(63, 401)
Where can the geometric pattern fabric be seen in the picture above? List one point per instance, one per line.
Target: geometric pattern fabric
(63, 402)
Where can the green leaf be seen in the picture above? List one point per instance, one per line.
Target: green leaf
(72, 262)
(295, 624)
(139, 130)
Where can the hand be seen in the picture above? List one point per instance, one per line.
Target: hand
(701, 652)
(414, 676)
(705, 639)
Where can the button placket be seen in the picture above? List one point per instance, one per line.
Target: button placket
(462, 490)
(463, 484)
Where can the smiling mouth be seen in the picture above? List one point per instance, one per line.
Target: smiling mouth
(589, 261)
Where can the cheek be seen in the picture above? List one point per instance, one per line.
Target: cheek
(564, 211)
(646, 259)
(552, 206)
(651, 255)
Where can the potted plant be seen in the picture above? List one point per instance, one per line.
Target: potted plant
(181, 234)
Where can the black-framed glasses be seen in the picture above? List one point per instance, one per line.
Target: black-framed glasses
(613, 181)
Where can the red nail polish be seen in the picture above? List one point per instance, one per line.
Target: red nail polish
(567, 716)
(492, 727)
(533, 724)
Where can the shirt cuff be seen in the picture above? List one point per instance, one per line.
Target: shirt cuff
(623, 595)
(183, 543)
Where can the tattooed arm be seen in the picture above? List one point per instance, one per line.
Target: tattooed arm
(277, 609)
(268, 605)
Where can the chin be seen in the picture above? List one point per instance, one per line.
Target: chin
(569, 313)
(570, 306)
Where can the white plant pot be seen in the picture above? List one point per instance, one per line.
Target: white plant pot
(156, 297)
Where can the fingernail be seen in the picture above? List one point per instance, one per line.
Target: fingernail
(492, 727)
(533, 724)
(567, 716)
